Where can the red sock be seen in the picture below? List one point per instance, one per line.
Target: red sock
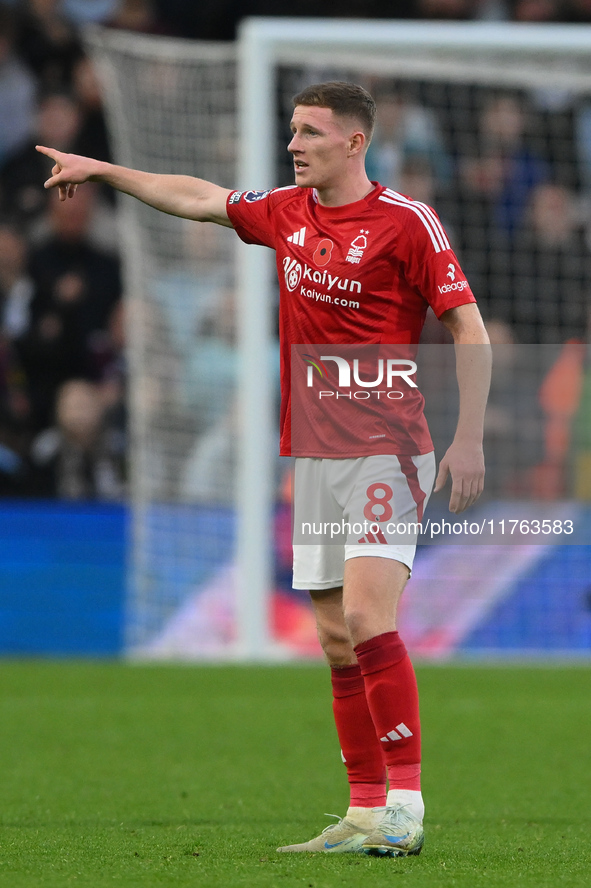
(393, 700)
(361, 749)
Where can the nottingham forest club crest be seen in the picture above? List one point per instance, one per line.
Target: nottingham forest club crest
(358, 247)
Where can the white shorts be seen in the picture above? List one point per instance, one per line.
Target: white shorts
(349, 508)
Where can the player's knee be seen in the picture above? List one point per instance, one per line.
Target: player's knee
(361, 625)
(336, 645)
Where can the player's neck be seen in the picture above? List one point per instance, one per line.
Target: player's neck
(348, 191)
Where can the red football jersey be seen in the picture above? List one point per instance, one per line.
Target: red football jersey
(359, 274)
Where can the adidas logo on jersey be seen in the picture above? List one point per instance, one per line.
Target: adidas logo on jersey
(400, 732)
(298, 237)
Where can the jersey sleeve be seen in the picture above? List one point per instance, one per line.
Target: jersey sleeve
(431, 264)
(250, 212)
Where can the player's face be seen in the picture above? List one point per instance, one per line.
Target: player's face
(320, 147)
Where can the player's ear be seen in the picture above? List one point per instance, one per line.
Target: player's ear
(357, 141)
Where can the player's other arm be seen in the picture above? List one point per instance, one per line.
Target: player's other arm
(183, 196)
(464, 459)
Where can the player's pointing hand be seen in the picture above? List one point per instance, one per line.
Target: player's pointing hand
(69, 171)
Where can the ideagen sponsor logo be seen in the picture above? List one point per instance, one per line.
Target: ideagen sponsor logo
(457, 285)
(454, 285)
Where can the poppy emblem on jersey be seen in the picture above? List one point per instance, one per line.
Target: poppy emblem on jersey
(358, 247)
(293, 273)
(323, 252)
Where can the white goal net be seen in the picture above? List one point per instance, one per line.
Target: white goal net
(492, 126)
(172, 109)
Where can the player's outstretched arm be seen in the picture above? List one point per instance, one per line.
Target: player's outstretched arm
(464, 459)
(183, 196)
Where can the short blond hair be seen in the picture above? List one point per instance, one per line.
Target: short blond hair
(344, 99)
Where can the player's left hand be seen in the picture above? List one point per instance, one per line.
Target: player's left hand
(68, 171)
(465, 462)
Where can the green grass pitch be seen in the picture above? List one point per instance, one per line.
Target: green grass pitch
(125, 775)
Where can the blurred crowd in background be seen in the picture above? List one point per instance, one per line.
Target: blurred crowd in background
(511, 185)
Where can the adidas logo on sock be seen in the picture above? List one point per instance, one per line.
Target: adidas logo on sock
(400, 732)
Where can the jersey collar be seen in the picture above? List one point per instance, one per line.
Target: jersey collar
(347, 209)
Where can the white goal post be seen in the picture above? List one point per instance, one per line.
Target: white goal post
(247, 78)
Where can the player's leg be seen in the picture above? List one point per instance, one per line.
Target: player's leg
(372, 589)
(360, 747)
(319, 568)
(369, 619)
(389, 492)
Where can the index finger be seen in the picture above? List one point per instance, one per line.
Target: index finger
(49, 152)
(56, 169)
